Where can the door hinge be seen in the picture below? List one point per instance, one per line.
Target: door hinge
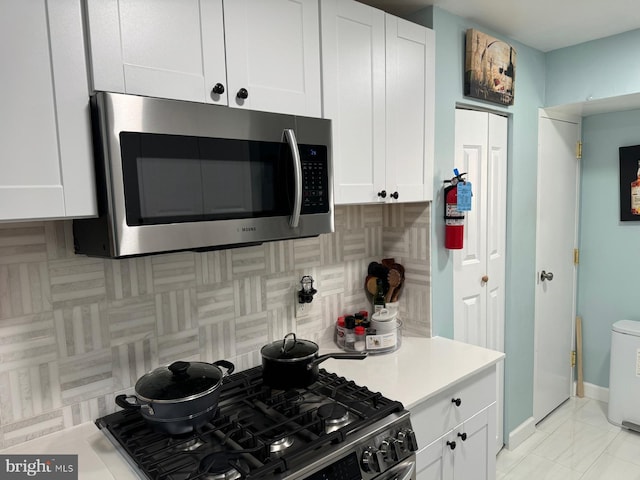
(573, 358)
(578, 149)
(576, 256)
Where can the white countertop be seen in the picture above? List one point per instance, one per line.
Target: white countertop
(418, 370)
(421, 368)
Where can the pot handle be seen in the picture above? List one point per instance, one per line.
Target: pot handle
(121, 401)
(230, 367)
(284, 342)
(338, 355)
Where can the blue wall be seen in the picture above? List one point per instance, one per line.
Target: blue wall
(609, 249)
(593, 70)
(521, 198)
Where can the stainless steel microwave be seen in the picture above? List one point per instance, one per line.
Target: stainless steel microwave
(175, 175)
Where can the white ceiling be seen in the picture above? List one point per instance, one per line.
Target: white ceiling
(542, 24)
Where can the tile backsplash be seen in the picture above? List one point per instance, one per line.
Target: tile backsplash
(75, 331)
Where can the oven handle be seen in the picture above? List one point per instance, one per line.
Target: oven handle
(407, 473)
(290, 136)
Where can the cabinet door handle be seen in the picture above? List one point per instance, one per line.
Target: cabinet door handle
(394, 195)
(457, 401)
(463, 436)
(452, 445)
(382, 194)
(242, 93)
(218, 89)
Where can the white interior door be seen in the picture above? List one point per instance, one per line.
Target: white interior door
(479, 268)
(556, 234)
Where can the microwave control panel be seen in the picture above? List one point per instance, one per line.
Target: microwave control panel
(315, 179)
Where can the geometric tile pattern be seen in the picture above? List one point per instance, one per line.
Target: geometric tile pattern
(75, 331)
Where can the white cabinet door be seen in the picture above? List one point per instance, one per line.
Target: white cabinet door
(170, 49)
(409, 109)
(46, 164)
(474, 456)
(273, 52)
(353, 80)
(434, 462)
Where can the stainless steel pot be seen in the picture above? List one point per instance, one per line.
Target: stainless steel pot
(293, 363)
(179, 398)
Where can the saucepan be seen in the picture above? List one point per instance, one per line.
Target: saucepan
(293, 362)
(178, 398)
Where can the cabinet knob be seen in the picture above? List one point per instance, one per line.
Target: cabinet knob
(394, 195)
(242, 93)
(382, 194)
(452, 445)
(218, 89)
(485, 278)
(457, 401)
(463, 436)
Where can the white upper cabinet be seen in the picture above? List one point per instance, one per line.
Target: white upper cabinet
(210, 51)
(273, 53)
(353, 76)
(378, 89)
(46, 165)
(410, 112)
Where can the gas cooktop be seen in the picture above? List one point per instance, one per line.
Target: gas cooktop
(331, 426)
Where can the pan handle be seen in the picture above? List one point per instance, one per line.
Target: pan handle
(338, 355)
(122, 402)
(230, 367)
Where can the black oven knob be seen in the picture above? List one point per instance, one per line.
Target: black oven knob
(407, 440)
(390, 449)
(370, 460)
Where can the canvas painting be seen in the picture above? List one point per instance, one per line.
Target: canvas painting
(490, 68)
(630, 183)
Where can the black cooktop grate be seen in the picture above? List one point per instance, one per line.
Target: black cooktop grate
(252, 424)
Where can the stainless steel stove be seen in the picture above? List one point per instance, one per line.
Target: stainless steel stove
(331, 430)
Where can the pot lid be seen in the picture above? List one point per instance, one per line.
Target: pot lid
(290, 349)
(179, 381)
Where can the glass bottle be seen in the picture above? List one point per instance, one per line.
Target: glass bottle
(378, 299)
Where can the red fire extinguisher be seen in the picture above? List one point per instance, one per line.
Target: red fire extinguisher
(453, 218)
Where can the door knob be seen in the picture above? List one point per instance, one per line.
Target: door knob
(546, 276)
(484, 279)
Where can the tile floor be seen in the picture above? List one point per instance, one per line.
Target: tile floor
(574, 442)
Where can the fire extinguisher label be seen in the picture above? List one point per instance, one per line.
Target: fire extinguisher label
(452, 211)
(464, 196)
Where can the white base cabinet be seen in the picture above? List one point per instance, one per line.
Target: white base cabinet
(456, 430)
(378, 89)
(241, 53)
(45, 133)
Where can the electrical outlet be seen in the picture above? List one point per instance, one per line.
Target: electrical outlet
(304, 310)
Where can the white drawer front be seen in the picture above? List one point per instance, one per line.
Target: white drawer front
(439, 414)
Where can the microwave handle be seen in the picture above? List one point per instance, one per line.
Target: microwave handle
(290, 136)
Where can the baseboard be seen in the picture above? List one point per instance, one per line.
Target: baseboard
(519, 434)
(596, 392)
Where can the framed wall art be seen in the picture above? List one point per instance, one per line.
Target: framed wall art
(630, 183)
(490, 68)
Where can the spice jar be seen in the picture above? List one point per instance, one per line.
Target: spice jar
(360, 334)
